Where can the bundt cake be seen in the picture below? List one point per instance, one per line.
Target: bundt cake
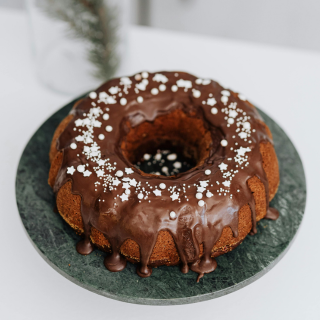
(163, 218)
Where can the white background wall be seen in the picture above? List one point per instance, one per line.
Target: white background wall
(135, 7)
(19, 4)
(293, 23)
(282, 22)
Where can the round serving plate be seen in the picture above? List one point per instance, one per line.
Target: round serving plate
(56, 241)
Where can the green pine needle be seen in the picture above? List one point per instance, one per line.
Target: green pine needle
(94, 22)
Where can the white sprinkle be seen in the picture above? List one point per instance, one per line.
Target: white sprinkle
(119, 173)
(125, 81)
(73, 146)
(214, 110)
(233, 113)
(105, 116)
(243, 135)
(142, 85)
(165, 170)
(160, 78)
(196, 93)
(204, 184)
(100, 173)
(247, 125)
(199, 195)
(173, 215)
(80, 168)
(87, 173)
(92, 95)
(146, 156)
(140, 99)
(128, 170)
(224, 99)
(177, 165)
(222, 166)
(242, 97)
(172, 157)
(174, 88)
(209, 194)
(123, 101)
(211, 101)
(138, 76)
(174, 196)
(114, 90)
(124, 197)
(162, 87)
(186, 84)
(230, 120)
(101, 136)
(109, 128)
(154, 91)
(201, 203)
(140, 196)
(80, 138)
(157, 192)
(145, 74)
(71, 170)
(158, 156)
(225, 93)
(224, 143)
(207, 172)
(162, 186)
(226, 183)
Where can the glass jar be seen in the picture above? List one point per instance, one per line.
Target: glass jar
(78, 44)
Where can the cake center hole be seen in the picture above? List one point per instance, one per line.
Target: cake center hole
(169, 159)
(169, 145)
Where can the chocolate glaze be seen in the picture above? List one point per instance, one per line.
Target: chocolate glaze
(272, 214)
(141, 219)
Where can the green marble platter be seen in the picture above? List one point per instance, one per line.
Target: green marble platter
(55, 240)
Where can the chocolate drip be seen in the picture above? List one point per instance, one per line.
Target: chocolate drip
(253, 215)
(84, 246)
(272, 214)
(115, 262)
(206, 264)
(124, 217)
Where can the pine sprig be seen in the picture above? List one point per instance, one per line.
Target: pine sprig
(96, 23)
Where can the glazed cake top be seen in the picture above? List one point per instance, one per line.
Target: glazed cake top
(110, 185)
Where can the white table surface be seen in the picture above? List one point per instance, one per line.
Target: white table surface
(285, 83)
